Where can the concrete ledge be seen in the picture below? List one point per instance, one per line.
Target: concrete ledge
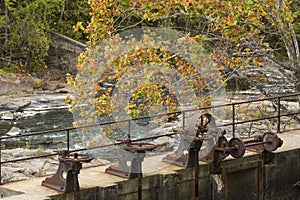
(245, 178)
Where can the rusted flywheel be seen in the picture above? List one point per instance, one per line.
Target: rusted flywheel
(76, 158)
(271, 141)
(139, 147)
(200, 124)
(237, 147)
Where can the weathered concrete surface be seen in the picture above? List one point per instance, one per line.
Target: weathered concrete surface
(246, 178)
(284, 171)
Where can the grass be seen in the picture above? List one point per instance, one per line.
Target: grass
(6, 72)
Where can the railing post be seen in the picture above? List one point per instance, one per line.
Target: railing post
(197, 180)
(0, 161)
(183, 120)
(233, 120)
(278, 114)
(68, 140)
(128, 135)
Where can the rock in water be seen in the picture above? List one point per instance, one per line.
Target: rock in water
(14, 131)
(7, 116)
(21, 107)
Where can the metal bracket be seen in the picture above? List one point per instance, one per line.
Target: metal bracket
(70, 165)
(133, 153)
(191, 140)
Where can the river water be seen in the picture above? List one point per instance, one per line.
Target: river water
(56, 119)
(60, 119)
(40, 122)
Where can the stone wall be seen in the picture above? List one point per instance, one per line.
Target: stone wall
(63, 53)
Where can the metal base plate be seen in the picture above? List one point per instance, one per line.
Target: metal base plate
(179, 161)
(115, 170)
(54, 183)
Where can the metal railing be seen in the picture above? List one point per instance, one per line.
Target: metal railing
(234, 122)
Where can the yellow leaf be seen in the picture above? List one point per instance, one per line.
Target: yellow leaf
(257, 62)
(266, 44)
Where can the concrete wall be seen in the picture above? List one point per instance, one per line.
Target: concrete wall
(247, 178)
(281, 174)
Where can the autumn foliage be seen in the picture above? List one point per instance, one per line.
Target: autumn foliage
(235, 34)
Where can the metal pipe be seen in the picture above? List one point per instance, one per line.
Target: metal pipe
(29, 158)
(178, 112)
(278, 114)
(38, 133)
(183, 120)
(158, 115)
(140, 185)
(90, 148)
(258, 119)
(140, 139)
(0, 161)
(253, 139)
(68, 140)
(128, 134)
(255, 143)
(197, 179)
(233, 120)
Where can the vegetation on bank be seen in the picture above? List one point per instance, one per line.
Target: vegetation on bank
(235, 34)
(26, 26)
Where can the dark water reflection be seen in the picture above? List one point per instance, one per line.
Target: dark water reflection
(40, 122)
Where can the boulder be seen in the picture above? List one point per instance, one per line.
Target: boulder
(14, 131)
(7, 116)
(15, 106)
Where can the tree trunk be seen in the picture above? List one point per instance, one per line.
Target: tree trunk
(297, 83)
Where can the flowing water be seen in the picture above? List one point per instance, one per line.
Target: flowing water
(40, 122)
(44, 121)
(60, 119)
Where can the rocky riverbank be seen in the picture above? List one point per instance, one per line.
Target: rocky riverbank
(24, 96)
(14, 171)
(30, 105)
